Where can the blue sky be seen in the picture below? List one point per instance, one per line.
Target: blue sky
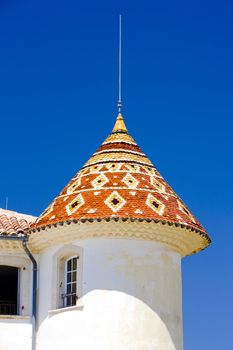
(58, 93)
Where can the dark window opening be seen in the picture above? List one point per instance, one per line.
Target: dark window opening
(8, 290)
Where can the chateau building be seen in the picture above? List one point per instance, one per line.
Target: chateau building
(100, 268)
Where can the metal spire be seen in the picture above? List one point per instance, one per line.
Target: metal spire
(119, 104)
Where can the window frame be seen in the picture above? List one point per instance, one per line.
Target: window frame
(7, 304)
(66, 294)
(64, 254)
(24, 288)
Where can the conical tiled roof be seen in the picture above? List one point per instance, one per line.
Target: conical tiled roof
(119, 182)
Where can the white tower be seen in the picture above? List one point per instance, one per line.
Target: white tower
(110, 248)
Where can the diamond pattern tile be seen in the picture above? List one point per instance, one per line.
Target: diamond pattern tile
(120, 181)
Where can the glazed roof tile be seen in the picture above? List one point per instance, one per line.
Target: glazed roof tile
(119, 182)
(13, 223)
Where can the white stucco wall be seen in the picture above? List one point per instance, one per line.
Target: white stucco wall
(131, 298)
(15, 333)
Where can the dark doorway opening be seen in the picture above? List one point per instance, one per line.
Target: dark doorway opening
(8, 290)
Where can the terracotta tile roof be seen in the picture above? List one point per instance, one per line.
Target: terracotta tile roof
(119, 181)
(13, 223)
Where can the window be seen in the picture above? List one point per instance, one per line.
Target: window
(9, 299)
(15, 285)
(70, 296)
(67, 276)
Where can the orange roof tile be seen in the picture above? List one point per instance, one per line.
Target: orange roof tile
(13, 223)
(119, 181)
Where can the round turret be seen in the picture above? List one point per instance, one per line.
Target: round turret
(110, 248)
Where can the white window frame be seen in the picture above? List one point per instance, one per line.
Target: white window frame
(72, 282)
(10, 306)
(59, 274)
(24, 305)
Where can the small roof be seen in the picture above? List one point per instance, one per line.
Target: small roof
(13, 223)
(119, 182)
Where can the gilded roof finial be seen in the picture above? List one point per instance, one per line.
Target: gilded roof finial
(120, 124)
